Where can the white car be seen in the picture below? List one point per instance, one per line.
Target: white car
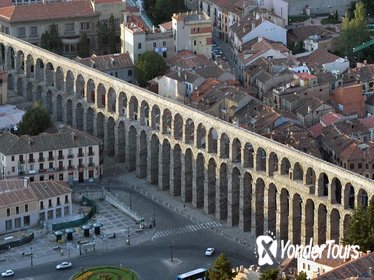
(7, 273)
(64, 265)
(209, 251)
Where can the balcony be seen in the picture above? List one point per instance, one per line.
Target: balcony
(71, 167)
(91, 153)
(21, 161)
(71, 156)
(81, 155)
(52, 169)
(42, 170)
(51, 158)
(81, 165)
(41, 159)
(60, 156)
(60, 168)
(31, 160)
(91, 164)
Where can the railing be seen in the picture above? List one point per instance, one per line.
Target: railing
(71, 167)
(80, 165)
(70, 156)
(31, 160)
(81, 155)
(60, 168)
(51, 158)
(91, 153)
(91, 164)
(60, 157)
(41, 159)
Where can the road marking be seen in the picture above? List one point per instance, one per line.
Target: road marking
(187, 228)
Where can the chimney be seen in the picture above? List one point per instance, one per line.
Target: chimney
(25, 182)
(185, 77)
(309, 109)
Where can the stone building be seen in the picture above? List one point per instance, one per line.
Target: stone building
(69, 155)
(25, 204)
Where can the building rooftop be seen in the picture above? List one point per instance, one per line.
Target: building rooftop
(11, 144)
(191, 16)
(107, 62)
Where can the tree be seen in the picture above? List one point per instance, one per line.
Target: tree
(270, 274)
(51, 41)
(361, 228)
(101, 36)
(34, 121)
(149, 65)
(112, 35)
(301, 276)
(221, 269)
(354, 31)
(84, 48)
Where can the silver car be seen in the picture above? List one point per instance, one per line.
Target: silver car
(64, 265)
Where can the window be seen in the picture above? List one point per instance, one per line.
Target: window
(33, 30)
(8, 225)
(164, 43)
(360, 165)
(26, 221)
(194, 42)
(139, 46)
(17, 210)
(69, 27)
(40, 156)
(17, 223)
(60, 155)
(51, 165)
(13, 169)
(85, 25)
(352, 166)
(129, 73)
(26, 208)
(154, 44)
(61, 176)
(21, 158)
(41, 178)
(58, 201)
(50, 155)
(66, 199)
(70, 48)
(49, 202)
(21, 32)
(12, 158)
(164, 54)
(41, 166)
(8, 212)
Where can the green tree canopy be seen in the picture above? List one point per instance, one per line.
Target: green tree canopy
(112, 35)
(162, 10)
(51, 41)
(270, 274)
(34, 121)
(354, 30)
(301, 276)
(84, 47)
(149, 65)
(361, 228)
(221, 269)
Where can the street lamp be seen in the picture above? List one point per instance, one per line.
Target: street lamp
(154, 217)
(171, 251)
(31, 256)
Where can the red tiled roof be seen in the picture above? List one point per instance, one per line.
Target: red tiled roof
(198, 94)
(330, 118)
(5, 3)
(108, 62)
(167, 25)
(306, 76)
(368, 122)
(40, 11)
(319, 57)
(316, 130)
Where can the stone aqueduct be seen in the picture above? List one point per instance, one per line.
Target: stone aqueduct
(243, 178)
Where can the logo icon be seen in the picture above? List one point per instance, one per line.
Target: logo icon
(266, 250)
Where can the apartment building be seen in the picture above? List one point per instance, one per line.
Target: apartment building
(28, 21)
(69, 155)
(35, 202)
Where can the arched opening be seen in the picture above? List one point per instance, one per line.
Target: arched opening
(235, 194)
(30, 68)
(29, 95)
(190, 131)
(112, 98)
(223, 185)
(187, 192)
(322, 221)
(69, 84)
(48, 101)
(156, 118)
(59, 78)
(91, 92)
(80, 87)
(155, 143)
(309, 220)
(143, 163)
(335, 226)
(20, 87)
(90, 120)
(79, 111)
(362, 199)
(11, 59)
(336, 191)
(272, 209)
(59, 108)
(69, 112)
(298, 172)
(285, 167)
(131, 152)
(166, 122)
(273, 163)
(165, 165)
(323, 185)
(225, 146)
(310, 177)
(144, 113)
(284, 214)
(133, 108)
(246, 214)
(100, 120)
(236, 151)
(122, 143)
(200, 178)
(110, 136)
(50, 75)
(20, 63)
(212, 140)
(349, 196)
(248, 155)
(122, 103)
(100, 97)
(259, 206)
(39, 95)
(210, 206)
(10, 81)
(177, 170)
(347, 221)
(261, 160)
(296, 219)
(178, 127)
(201, 135)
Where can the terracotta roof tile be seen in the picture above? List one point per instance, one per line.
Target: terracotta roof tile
(108, 62)
(22, 13)
(318, 57)
(330, 118)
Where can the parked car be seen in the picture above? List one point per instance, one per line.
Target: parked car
(7, 273)
(64, 265)
(209, 251)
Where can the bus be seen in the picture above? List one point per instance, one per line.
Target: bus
(197, 274)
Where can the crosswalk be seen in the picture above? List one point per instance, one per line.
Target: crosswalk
(187, 228)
